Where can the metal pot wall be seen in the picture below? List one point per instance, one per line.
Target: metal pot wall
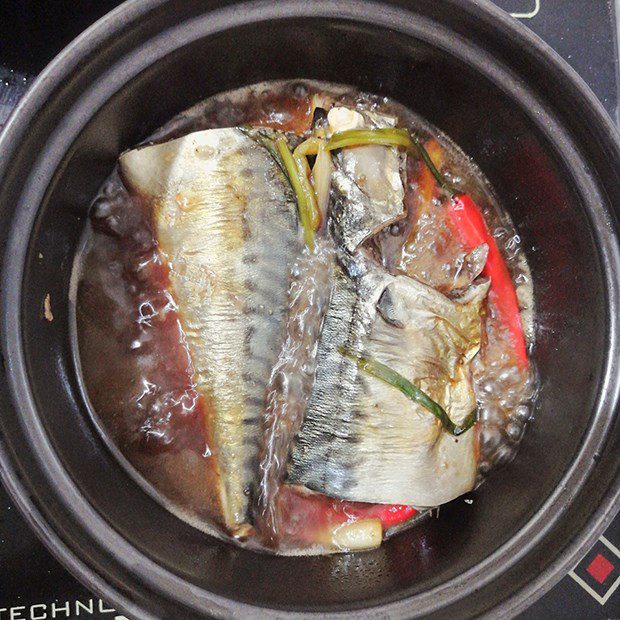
(553, 157)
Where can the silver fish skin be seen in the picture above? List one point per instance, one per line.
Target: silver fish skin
(367, 182)
(362, 439)
(225, 219)
(323, 448)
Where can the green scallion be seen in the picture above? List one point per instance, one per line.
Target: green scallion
(411, 391)
(389, 136)
(306, 199)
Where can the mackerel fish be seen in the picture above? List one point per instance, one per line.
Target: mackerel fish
(225, 219)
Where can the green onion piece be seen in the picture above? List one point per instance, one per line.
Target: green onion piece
(308, 147)
(321, 178)
(306, 200)
(314, 213)
(393, 378)
(389, 136)
(440, 178)
(312, 146)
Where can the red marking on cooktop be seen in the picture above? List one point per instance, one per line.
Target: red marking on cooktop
(600, 567)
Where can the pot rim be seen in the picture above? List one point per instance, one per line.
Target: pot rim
(35, 98)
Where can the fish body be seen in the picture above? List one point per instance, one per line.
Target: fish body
(362, 439)
(368, 185)
(225, 220)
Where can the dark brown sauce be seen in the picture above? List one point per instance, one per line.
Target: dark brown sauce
(135, 361)
(137, 366)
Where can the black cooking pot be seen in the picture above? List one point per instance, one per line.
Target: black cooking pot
(553, 157)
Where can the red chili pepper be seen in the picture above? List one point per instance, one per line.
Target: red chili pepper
(473, 231)
(388, 514)
(304, 516)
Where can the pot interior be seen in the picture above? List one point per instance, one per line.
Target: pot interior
(490, 115)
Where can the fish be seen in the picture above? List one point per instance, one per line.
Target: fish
(362, 439)
(292, 378)
(225, 219)
(367, 181)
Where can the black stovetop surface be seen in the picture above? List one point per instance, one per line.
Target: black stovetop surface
(33, 585)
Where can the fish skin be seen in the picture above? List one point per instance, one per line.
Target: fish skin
(225, 219)
(368, 185)
(362, 439)
(316, 461)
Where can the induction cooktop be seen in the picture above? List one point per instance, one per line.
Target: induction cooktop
(33, 585)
